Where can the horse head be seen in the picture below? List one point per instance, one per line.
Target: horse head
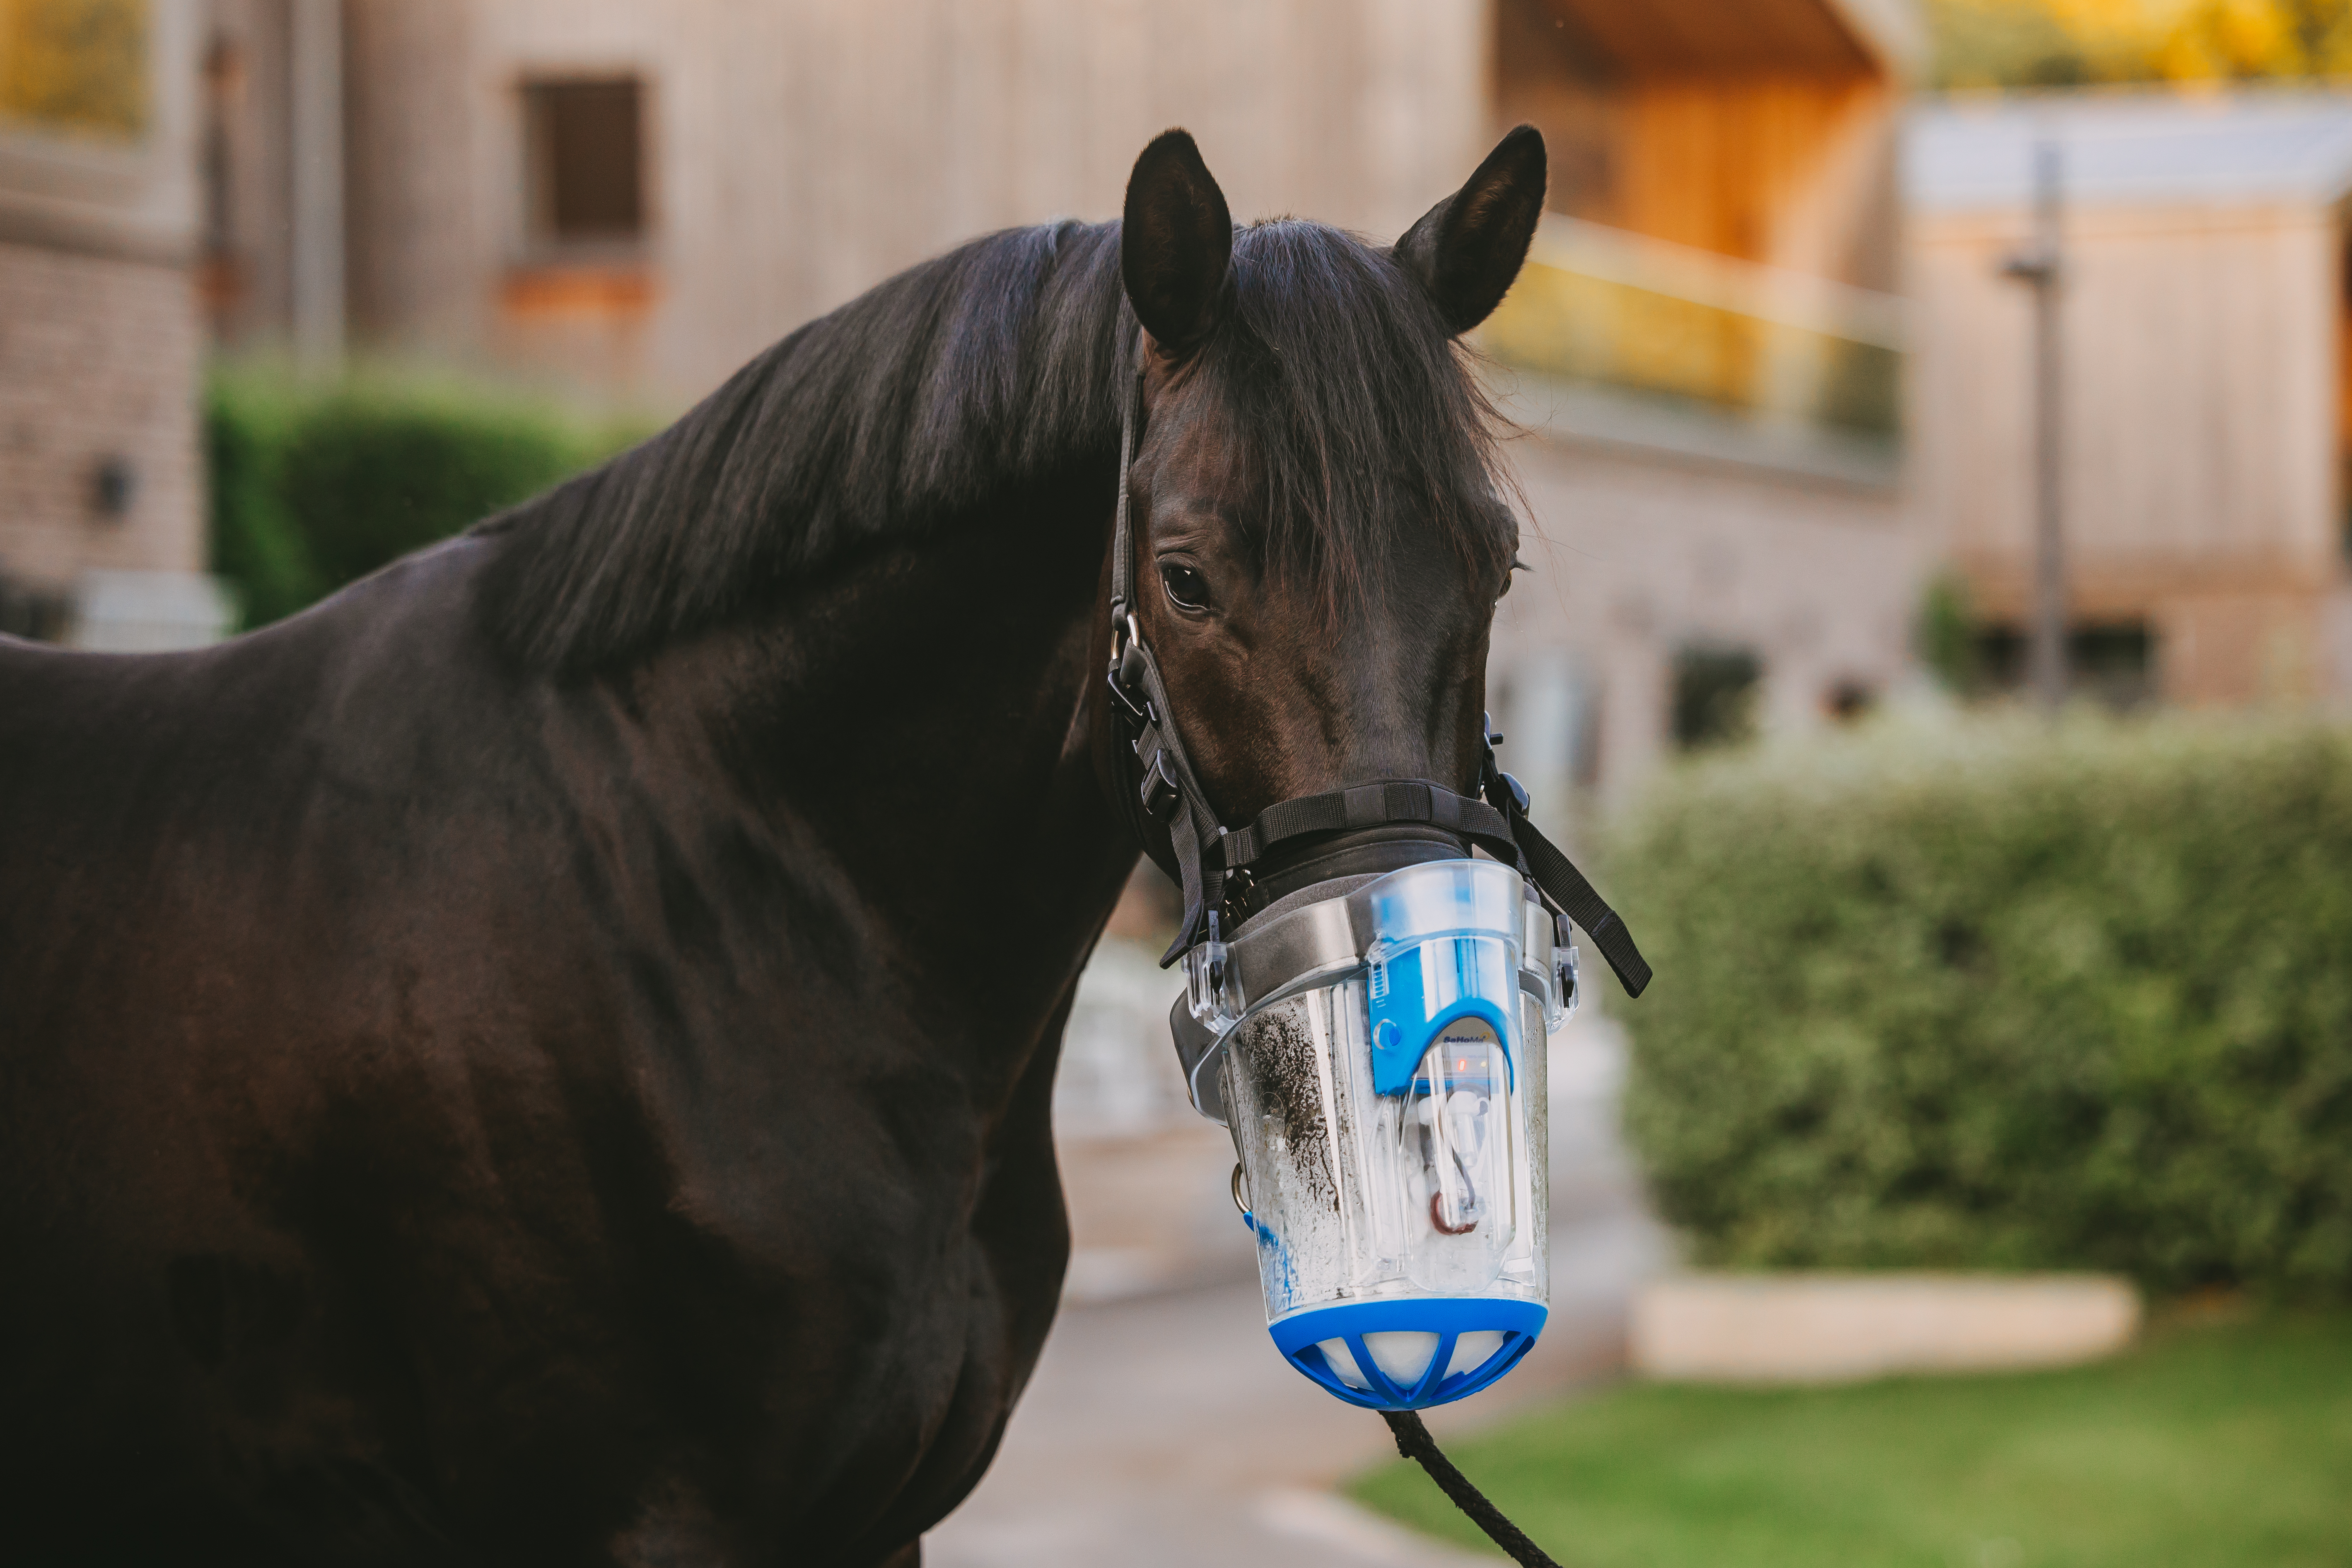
(1320, 533)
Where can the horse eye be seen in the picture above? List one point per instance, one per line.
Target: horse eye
(1187, 589)
(1517, 567)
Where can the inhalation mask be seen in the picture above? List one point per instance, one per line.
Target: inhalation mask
(1375, 1044)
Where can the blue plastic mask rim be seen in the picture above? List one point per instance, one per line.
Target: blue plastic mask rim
(1298, 1337)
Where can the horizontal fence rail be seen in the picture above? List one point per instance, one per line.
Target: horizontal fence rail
(1603, 306)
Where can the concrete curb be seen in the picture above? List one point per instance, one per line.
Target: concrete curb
(1837, 1327)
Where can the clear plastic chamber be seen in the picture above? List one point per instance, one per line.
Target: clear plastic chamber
(1390, 1119)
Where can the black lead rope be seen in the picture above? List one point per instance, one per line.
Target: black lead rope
(1414, 1441)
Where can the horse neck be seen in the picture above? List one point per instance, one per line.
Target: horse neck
(926, 716)
(864, 573)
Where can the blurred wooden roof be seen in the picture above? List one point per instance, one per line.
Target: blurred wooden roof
(1746, 38)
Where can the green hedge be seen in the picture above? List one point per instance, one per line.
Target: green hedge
(314, 485)
(1985, 995)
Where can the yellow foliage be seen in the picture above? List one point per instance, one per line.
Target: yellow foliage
(75, 65)
(2062, 42)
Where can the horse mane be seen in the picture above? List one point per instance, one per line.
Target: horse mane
(997, 365)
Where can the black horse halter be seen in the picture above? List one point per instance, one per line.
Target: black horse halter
(1213, 859)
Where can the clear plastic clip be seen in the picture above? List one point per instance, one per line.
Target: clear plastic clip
(1213, 982)
(1564, 989)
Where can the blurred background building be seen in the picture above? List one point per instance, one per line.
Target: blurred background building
(631, 198)
(1706, 351)
(1769, 383)
(101, 515)
(637, 196)
(2204, 416)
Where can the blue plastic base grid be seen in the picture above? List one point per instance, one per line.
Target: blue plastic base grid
(1300, 1335)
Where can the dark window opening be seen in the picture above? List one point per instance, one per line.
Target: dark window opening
(1847, 700)
(585, 140)
(2110, 662)
(1715, 696)
(27, 611)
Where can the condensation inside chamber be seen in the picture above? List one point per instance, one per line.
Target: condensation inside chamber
(1355, 1195)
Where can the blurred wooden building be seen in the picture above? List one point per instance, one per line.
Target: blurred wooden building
(1708, 353)
(2205, 418)
(629, 198)
(634, 197)
(102, 523)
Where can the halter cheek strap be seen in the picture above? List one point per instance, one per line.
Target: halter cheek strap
(1208, 853)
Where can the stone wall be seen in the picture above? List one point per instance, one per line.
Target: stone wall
(98, 463)
(101, 335)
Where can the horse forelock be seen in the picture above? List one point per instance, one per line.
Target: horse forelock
(1355, 412)
(999, 364)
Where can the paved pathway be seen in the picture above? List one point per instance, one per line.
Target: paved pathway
(1163, 1430)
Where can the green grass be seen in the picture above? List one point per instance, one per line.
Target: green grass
(2223, 1445)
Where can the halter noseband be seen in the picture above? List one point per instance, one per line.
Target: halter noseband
(1209, 855)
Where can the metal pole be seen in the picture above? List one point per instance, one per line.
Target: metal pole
(2039, 268)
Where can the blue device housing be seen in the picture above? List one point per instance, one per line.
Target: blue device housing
(1412, 996)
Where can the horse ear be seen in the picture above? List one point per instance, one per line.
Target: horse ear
(1175, 242)
(1466, 250)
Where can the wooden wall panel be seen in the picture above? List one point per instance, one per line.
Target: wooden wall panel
(2202, 425)
(800, 153)
(1791, 172)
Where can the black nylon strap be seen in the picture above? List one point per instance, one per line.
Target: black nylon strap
(1122, 544)
(1561, 882)
(1565, 886)
(1193, 830)
(1367, 806)
(1191, 823)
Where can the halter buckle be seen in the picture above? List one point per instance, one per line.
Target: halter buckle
(1158, 792)
(1124, 638)
(1135, 709)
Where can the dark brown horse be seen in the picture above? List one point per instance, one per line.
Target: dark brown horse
(545, 1057)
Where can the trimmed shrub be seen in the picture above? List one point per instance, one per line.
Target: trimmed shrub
(1992, 996)
(314, 488)
(255, 543)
